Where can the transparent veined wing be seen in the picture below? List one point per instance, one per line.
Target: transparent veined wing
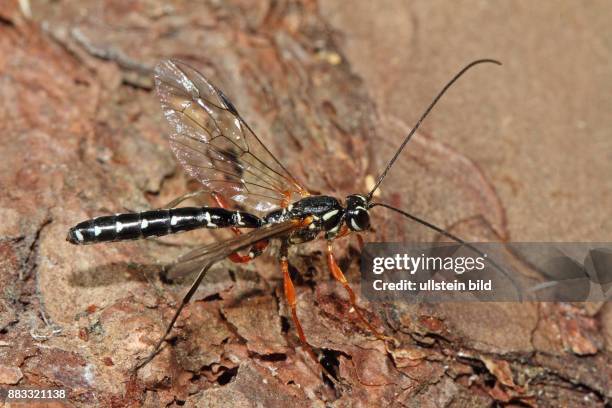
(213, 252)
(216, 146)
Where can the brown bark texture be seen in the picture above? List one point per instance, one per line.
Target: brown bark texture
(324, 85)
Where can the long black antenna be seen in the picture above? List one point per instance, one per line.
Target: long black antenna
(454, 238)
(423, 116)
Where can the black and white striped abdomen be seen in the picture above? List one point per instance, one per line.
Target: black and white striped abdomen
(156, 223)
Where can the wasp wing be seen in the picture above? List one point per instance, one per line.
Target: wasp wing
(216, 146)
(210, 253)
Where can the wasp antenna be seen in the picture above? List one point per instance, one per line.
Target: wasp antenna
(454, 238)
(423, 116)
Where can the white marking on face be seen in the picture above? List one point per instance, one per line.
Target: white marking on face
(79, 235)
(312, 226)
(174, 220)
(97, 230)
(251, 255)
(329, 215)
(354, 225)
(290, 207)
(239, 218)
(118, 226)
(144, 224)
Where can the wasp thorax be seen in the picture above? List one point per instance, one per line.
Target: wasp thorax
(357, 216)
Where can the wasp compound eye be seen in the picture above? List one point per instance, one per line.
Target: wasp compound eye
(359, 220)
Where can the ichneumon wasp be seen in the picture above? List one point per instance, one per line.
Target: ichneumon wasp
(217, 147)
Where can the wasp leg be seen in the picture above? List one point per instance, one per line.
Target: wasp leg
(186, 196)
(253, 253)
(292, 301)
(339, 276)
(186, 299)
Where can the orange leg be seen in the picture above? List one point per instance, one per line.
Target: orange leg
(292, 301)
(254, 252)
(291, 298)
(339, 276)
(237, 258)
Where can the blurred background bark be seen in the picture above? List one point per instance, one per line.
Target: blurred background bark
(519, 152)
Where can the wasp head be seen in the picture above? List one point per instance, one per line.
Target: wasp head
(357, 216)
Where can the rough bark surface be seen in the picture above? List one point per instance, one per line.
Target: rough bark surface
(82, 135)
